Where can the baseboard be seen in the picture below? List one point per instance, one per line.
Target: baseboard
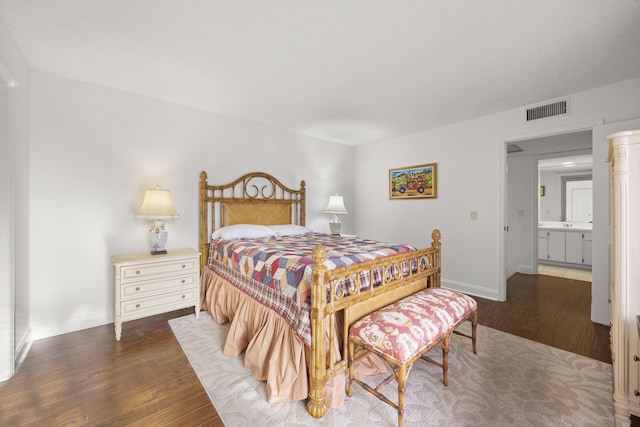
(526, 269)
(565, 265)
(468, 288)
(49, 327)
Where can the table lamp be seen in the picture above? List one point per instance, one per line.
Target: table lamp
(335, 208)
(157, 206)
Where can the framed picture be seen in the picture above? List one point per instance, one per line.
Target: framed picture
(413, 182)
(542, 191)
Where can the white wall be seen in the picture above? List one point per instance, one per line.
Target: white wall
(93, 152)
(550, 204)
(521, 189)
(471, 175)
(15, 334)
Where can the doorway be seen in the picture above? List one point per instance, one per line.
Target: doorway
(523, 191)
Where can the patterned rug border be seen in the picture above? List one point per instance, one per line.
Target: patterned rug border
(511, 381)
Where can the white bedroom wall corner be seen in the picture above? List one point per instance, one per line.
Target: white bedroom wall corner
(89, 150)
(45, 325)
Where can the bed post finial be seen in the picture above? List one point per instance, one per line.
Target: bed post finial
(204, 230)
(435, 235)
(316, 405)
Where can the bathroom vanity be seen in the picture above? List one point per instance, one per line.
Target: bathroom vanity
(565, 243)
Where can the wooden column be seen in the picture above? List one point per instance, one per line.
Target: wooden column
(624, 157)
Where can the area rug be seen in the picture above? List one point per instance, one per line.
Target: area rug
(511, 381)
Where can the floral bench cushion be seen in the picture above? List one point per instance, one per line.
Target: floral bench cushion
(405, 328)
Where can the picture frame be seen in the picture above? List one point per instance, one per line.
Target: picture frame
(413, 182)
(542, 191)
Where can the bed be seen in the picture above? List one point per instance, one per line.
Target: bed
(291, 314)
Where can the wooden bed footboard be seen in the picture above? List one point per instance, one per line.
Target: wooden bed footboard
(328, 300)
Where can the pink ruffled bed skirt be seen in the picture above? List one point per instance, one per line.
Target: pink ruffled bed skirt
(273, 351)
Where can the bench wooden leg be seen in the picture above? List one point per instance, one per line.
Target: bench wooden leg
(445, 359)
(473, 318)
(474, 324)
(402, 385)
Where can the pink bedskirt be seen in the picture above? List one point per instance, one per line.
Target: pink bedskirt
(273, 351)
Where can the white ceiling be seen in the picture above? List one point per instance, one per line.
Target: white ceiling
(351, 71)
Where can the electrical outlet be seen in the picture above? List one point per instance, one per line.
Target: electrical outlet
(474, 215)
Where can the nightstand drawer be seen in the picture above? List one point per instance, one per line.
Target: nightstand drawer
(146, 285)
(153, 287)
(145, 271)
(157, 304)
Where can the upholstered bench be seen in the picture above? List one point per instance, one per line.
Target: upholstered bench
(404, 331)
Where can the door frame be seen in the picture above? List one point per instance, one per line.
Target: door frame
(503, 224)
(7, 251)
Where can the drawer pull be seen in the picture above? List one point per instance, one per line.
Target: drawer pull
(636, 393)
(183, 280)
(137, 288)
(183, 296)
(636, 358)
(137, 305)
(183, 266)
(137, 271)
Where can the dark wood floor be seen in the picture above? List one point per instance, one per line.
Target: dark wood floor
(549, 310)
(86, 378)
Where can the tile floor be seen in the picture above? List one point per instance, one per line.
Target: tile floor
(568, 273)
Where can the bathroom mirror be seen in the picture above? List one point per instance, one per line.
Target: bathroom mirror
(568, 194)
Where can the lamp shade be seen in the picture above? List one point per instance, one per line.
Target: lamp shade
(336, 206)
(157, 205)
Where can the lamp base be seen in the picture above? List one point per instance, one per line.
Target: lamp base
(335, 227)
(158, 241)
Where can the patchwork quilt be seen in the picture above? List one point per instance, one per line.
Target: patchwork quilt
(277, 271)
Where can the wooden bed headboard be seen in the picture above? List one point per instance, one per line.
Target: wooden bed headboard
(254, 198)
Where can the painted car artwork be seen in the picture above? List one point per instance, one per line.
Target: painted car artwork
(413, 182)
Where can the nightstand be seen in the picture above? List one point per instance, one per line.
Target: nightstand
(147, 284)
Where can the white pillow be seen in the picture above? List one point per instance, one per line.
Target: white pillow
(290, 230)
(243, 231)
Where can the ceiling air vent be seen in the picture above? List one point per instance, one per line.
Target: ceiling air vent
(549, 110)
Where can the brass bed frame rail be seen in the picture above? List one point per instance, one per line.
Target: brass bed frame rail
(259, 198)
(330, 300)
